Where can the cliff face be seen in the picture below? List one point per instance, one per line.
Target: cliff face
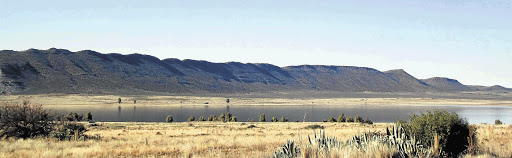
(61, 71)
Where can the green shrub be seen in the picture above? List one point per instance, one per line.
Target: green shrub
(331, 119)
(283, 119)
(358, 119)
(452, 132)
(233, 119)
(88, 116)
(169, 118)
(73, 116)
(191, 118)
(228, 117)
(274, 119)
(498, 122)
(69, 131)
(222, 117)
(349, 119)
(368, 121)
(262, 118)
(341, 118)
(201, 118)
(210, 118)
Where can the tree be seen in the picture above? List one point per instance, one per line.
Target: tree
(71, 116)
(25, 121)
(341, 118)
(119, 100)
(228, 117)
(349, 119)
(227, 100)
(331, 119)
(262, 118)
(283, 119)
(222, 117)
(169, 119)
(191, 118)
(358, 119)
(274, 119)
(233, 119)
(201, 118)
(88, 116)
(368, 121)
(79, 117)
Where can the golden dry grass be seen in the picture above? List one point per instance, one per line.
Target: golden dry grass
(198, 139)
(216, 139)
(495, 140)
(106, 100)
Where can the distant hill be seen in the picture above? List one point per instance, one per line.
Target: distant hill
(446, 84)
(61, 71)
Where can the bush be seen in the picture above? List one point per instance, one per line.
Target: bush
(341, 118)
(349, 119)
(331, 119)
(274, 119)
(233, 119)
(201, 118)
(262, 118)
(452, 132)
(358, 119)
(169, 118)
(25, 121)
(88, 116)
(191, 118)
(73, 116)
(228, 117)
(498, 122)
(283, 119)
(69, 131)
(368, 121)
(222, 117)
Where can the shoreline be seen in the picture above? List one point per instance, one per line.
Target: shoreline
(111, 100)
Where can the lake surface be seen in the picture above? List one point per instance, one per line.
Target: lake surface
(315, 113)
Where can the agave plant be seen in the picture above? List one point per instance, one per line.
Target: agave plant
(323, 142)
(288, 150)
(408, 146)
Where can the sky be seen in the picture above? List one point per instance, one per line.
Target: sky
(468, 40)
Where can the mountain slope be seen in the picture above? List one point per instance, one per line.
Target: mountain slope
(408, 80)
(61, 71)
(446, 84)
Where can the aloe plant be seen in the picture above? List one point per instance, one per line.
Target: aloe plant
(288, 150)
(407, 146)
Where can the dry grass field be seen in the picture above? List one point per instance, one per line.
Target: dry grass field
(106, 100)
(216, 139)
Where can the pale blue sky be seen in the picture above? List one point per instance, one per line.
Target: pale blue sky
(462, 39)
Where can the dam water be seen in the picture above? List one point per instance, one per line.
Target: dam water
(315, 113)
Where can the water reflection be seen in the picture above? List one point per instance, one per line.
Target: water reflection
(315, 113)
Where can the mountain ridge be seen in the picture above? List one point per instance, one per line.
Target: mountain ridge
(54, 70)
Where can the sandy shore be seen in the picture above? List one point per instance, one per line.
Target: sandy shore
(107, 100)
